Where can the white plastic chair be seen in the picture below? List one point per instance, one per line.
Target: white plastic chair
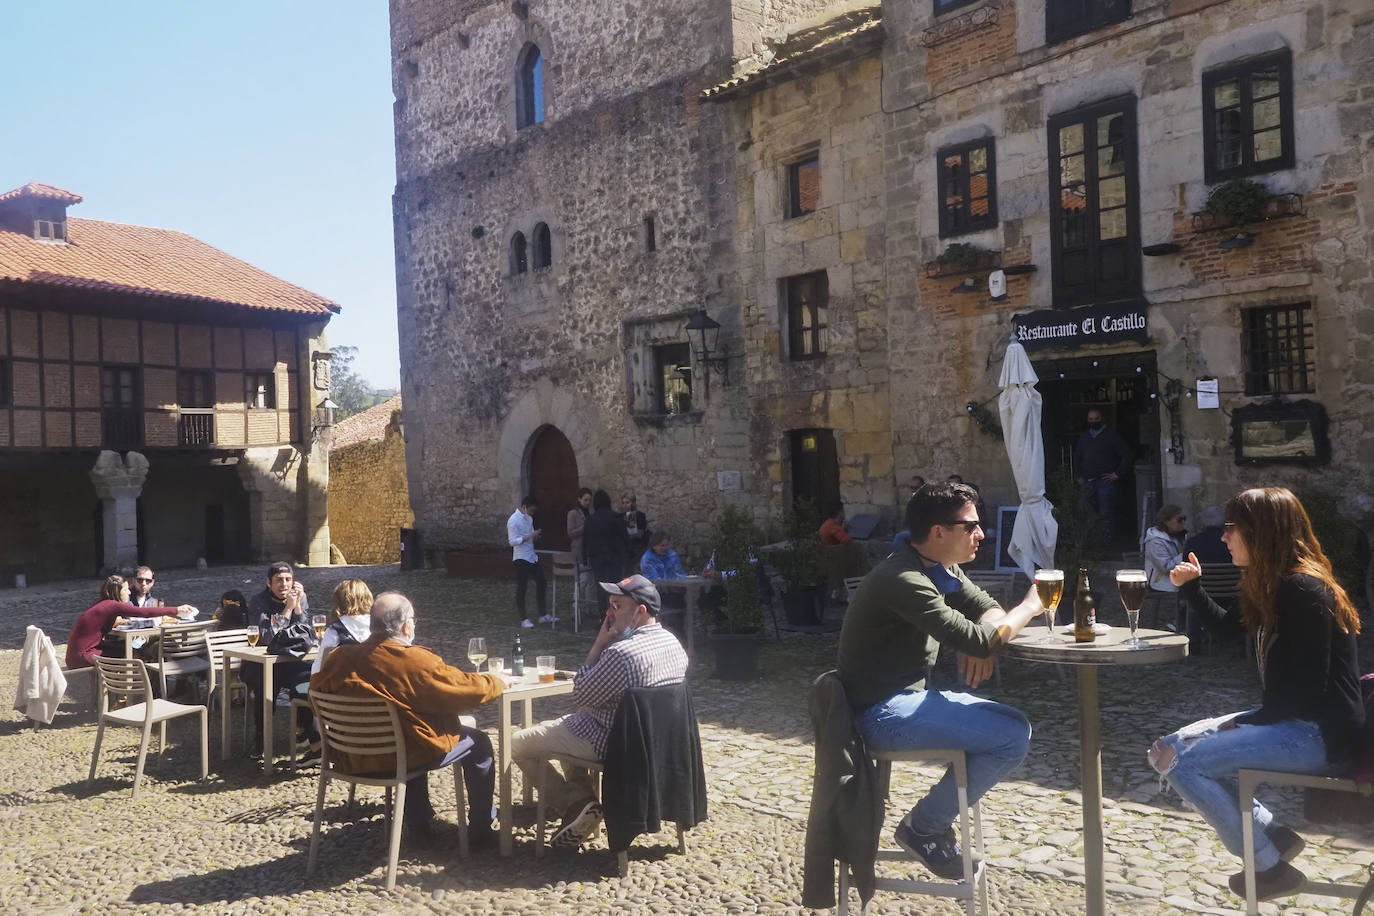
(216, 641)
(128, 678)
(369, 727)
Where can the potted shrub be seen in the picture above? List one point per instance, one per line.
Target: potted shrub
(735, 638)
(1236, 204)
(800, 566)
(961, 258)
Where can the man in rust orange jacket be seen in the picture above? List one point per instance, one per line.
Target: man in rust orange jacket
(429, 695)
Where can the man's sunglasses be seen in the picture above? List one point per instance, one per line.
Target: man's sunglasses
(143, 580)
(967, 525)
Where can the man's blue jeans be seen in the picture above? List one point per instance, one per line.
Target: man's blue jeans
(1203, 771)
(1101, 494)
(994, 737)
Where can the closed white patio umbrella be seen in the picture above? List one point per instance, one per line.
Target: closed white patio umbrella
(1035, 533)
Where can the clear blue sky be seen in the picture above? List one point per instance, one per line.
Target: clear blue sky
(260, 126)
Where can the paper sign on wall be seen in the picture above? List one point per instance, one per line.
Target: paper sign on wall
(1207, 393)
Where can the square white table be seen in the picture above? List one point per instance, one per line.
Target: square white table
(260, 655)
(693, 585)
(525, 693)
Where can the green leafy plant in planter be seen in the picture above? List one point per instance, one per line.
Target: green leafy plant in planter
(736, 639)
(961, 256)
(1238, 202)
(800, 565)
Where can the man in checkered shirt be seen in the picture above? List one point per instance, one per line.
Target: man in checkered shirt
(631, 650)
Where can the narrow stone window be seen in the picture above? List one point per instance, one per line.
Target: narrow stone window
(803, 186)
(529, 88)
(807, 296)
(1247, 112)
(543, 246)
(519, 255)
(968, 188)
(673, 377)
(650, 235)
(1094, 204)
(1277, 346)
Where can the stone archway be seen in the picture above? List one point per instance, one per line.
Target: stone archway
(546, 405)
(551, 475)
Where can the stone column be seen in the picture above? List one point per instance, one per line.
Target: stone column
(118, 482)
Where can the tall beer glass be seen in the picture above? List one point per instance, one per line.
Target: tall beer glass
(1049, 586)
(1132, 585)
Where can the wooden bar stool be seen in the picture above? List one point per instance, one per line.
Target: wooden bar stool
(973, 889)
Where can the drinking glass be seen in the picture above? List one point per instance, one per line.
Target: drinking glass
(477, 652)
(544, 665)
(318, 622)
(1049, 586)
(1132, 585)
(496, 665)
(251, 633)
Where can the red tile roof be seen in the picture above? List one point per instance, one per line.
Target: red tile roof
(117, 257)
(370, 424)
(37, 189)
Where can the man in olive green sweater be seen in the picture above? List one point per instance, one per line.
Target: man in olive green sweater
(912, 603)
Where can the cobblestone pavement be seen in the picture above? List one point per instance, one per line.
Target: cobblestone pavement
(237, 842)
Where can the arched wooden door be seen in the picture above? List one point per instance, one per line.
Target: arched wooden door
(553, 481)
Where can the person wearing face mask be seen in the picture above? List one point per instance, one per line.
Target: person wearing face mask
(428, 695)
(1101, 459)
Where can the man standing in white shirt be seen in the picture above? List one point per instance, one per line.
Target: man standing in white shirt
(520, 533)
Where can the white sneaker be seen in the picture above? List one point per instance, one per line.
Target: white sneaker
(526, 624)
(548, 618)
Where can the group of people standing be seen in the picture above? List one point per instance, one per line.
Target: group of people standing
(605, 544)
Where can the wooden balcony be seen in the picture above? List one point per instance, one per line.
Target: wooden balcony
(196, 427)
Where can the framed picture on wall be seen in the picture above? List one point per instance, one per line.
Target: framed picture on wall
(1006, 519)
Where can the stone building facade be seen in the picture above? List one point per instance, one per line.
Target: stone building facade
(836, 185)
(369, 499)
(156, 399)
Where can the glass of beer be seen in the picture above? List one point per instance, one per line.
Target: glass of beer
(252, 634)
(1049, 587)
(477, 652)
(318, 622)
(1132, 585)
(544, 665)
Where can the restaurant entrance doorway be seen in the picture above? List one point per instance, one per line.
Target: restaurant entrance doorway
(1123, 388)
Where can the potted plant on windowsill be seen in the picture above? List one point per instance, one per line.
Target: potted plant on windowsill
(736, 636)
(800, 565)
(1233, 204)
(962, 258)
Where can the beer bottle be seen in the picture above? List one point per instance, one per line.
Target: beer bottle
(1084, 609)
(517, 658)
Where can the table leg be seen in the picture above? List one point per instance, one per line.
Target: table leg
(269, 701)
(224, 705)
(504, 762)
(1090, 741)
(527, 793)
(128, 644)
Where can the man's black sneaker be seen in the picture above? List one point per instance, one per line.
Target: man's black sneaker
(1280, 881)
(1288, 842)
(938, 852)
(952, 839)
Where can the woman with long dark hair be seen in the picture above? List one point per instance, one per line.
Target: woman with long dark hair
(1311, 714)
(605, 541)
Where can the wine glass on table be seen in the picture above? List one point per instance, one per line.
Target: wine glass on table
(1049, 587)
(1132, 585)
(477, 652)
(251, 633)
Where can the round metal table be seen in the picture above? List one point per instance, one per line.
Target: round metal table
(1108, 649)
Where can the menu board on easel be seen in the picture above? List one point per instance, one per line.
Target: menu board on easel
(1006, 520)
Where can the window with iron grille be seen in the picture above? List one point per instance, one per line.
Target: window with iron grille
(1094, 204)
(1247, 117)
(1065, 19)
(260, 390)
(806, 298)
(1277, 346)
(804, 186)
(673, 375)
(968, 188)
(194, 391)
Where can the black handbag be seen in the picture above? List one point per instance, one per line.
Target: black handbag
(295, 639)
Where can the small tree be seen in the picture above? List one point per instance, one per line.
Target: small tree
(347, 388)
(799, 563)
(736, 539)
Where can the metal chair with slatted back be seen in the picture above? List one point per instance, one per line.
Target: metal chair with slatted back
(370, 727)
(1221, 582)
(181, 650)
(216, 641)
